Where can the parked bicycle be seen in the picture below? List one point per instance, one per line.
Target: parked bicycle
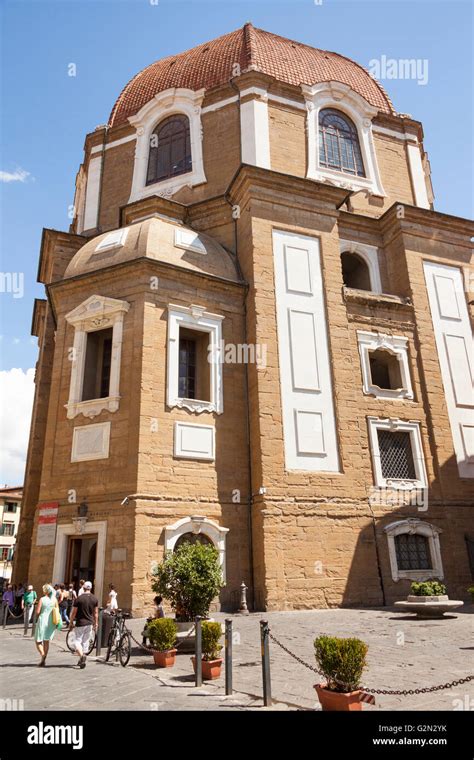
(119, 642)
(91, 644)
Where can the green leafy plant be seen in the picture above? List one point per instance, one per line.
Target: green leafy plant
(211, 634)
(428, 588)
(341, 661)
(189, 579)
(162, 633)
(471, 590)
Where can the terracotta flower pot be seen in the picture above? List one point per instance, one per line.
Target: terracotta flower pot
(332, 701)
(165, 659)
(211, 669)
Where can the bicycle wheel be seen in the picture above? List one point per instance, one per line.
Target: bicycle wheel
(111, 645)
(125, 648)
(70, 640)
(91, 644)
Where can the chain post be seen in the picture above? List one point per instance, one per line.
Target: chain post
(98, 649)
(228, 657)
(6, 610)
(198, 651)
(267, 686)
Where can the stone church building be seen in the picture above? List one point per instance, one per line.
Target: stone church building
(256, 333)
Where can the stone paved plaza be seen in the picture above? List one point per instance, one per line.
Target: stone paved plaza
(404, 653)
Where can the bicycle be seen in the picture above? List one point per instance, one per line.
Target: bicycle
(119, 642)
(90, 646)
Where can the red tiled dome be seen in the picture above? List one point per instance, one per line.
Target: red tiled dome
(212, 64)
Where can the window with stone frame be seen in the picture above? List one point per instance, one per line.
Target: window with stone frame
(10, 506)
(4, 553)
(412, 551)
(7, 529)
(97, 365)
(194, 375)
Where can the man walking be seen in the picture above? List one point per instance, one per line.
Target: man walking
(85, 611)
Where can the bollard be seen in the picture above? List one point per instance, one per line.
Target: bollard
(198, 651)
(228, 657)
(99, 633)
(265, 641)
(26, 618)
(6, 610)
(243, 609)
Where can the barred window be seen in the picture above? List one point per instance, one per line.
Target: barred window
(396, 455)
(413, 552)
(339, 146)
(170, 149)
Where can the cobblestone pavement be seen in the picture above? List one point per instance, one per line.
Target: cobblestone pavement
(403, 654)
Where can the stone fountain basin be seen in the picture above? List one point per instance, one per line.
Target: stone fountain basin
(429, 606)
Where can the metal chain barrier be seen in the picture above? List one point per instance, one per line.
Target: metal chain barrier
(390, 692)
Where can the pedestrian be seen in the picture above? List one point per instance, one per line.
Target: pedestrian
(28, 602)
(8, 600)
(45, 623)
(112, 603)
(85, 612)
(81, 587)
(20, 590)
(71, 596)
(62, 601)
(159, 611)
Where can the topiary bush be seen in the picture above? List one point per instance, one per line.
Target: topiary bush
(189, 578)
(211, 633)
(162, 633)
(341, 661)
(428, 588)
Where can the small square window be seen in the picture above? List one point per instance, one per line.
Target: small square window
(397, 454)
(384, 364)
(10, 506)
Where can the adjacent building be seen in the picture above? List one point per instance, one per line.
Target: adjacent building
(10, 510)
(256, 334)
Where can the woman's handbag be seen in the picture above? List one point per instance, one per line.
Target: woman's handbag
(56, 616)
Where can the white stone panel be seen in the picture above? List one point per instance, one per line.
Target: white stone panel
(91, 442)
(455, 350)
(305, 373)
(193, 441)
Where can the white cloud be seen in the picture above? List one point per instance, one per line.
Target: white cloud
(19, 175)
(16, 392)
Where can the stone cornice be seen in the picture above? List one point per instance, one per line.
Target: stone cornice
(49, 240)
(421, 221)
(39, 313)
(147, 207)
(251, 182)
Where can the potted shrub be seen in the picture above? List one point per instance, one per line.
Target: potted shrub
(428, 599)
(189, 578)
(341, 661)
(211, 662)
(162, 635)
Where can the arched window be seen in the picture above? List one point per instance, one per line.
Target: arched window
(192, 538)
(170, 149)
(355, 272)
(339, 143)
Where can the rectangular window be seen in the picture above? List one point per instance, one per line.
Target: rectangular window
(7, 529)
(194, 381)
(10, 506)
(396, 455)
(97, 365)
(412, 551)
(4, 553)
